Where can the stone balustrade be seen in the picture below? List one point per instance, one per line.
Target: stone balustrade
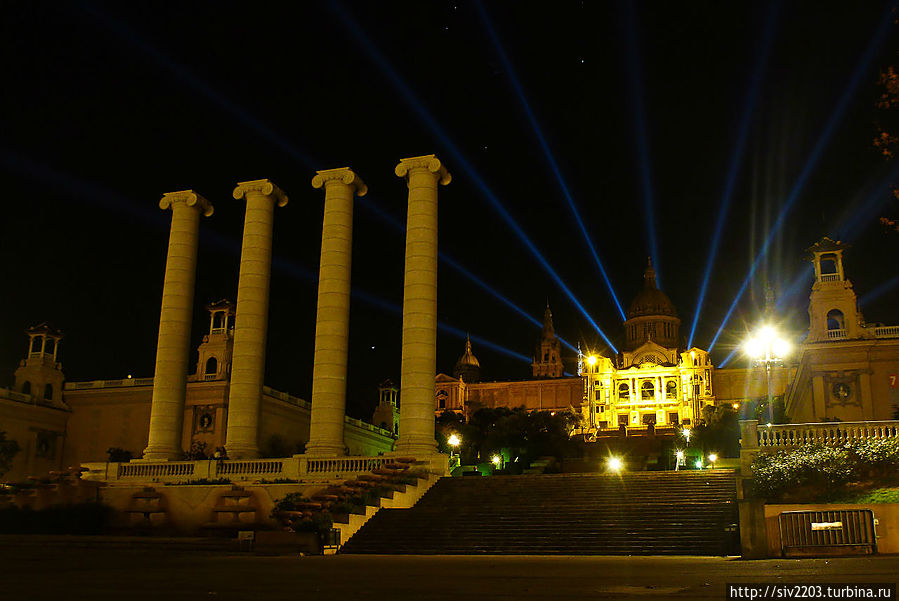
(787, 436)
(299, 468)
(886, 332)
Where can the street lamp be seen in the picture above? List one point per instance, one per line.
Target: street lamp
(454, 441)
(767, 348)
(614, 464)
(687, 435)
(679, 455)
(712, 459)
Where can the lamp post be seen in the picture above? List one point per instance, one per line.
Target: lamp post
(767, 348)
(454, 441)
(591, 391)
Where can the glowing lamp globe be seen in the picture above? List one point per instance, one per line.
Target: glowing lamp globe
(754, 347)
(780, 348)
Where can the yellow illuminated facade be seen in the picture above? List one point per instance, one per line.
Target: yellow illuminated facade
(646, 393)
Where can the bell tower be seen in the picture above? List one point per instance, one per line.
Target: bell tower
(214, 362)
(548, 358)
(40, 374)
(833, 307)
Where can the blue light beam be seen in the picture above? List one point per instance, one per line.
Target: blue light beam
(635, 79)
(538, 131)
(395, 223)
(372, 51)
(829, 129)
(755, 84)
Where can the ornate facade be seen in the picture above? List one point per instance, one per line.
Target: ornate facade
(848, 369)
(653, 381)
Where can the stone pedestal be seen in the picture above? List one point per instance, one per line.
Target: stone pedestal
(173, 345)
(332, 321)
(251, 318)
(419, 350)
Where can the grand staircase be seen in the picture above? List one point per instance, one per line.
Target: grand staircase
(640, 513)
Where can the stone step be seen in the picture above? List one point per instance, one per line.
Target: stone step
(658, 513)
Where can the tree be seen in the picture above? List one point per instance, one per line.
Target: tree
(522, 434)
(8, 450)
(886, 141)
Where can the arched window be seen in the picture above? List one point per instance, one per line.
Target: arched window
(671, 389)
(212, 366)
(26, 388)
(48, 391)
(624, 390)
(835, 320)
(647, 391)
(828, 264)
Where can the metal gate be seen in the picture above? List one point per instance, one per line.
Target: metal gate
(841, 531)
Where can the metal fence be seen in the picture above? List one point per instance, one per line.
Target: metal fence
(840, 531)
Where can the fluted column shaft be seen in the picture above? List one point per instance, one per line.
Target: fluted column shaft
(332, 322)
(173, 344)
(251, 317)
(419, 348)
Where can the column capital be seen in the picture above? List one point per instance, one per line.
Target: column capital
(188, 197)
(429, 162)
(343, 175)
(262, 186)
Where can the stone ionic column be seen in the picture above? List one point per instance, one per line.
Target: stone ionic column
(251, 316)
(332, 321)
(419, 355)
(173, 345)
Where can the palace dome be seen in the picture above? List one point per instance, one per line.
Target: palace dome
(651, 300)
(468, 367)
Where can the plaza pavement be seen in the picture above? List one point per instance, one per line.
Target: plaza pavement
(57, 569)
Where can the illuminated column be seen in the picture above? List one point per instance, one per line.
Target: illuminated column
(419, 354)
(332, 322)
(251, 318)
(173, 344)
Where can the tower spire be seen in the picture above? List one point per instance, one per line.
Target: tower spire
(649, 275)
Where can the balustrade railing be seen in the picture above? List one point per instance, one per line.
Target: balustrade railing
(785, 436)
(830, 277)
(836, 334)
(150, 471)
(345, 465)
(297, 468)
(886, 332)
(255, 467)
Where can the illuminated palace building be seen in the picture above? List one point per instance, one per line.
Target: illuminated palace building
(843, 370)
(652, 383)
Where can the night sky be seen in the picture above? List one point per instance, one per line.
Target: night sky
(641, 116)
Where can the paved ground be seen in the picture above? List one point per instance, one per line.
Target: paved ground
(52, 570)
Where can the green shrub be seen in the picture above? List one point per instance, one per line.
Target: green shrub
(290, 502)
(878, 456)
(811, 466)
(200, 482)
(824, 471)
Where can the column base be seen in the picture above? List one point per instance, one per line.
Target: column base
(161, 454)
(324, 449)
(416, 448)
(241, 452)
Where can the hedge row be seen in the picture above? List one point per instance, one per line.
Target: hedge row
(824, 469)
